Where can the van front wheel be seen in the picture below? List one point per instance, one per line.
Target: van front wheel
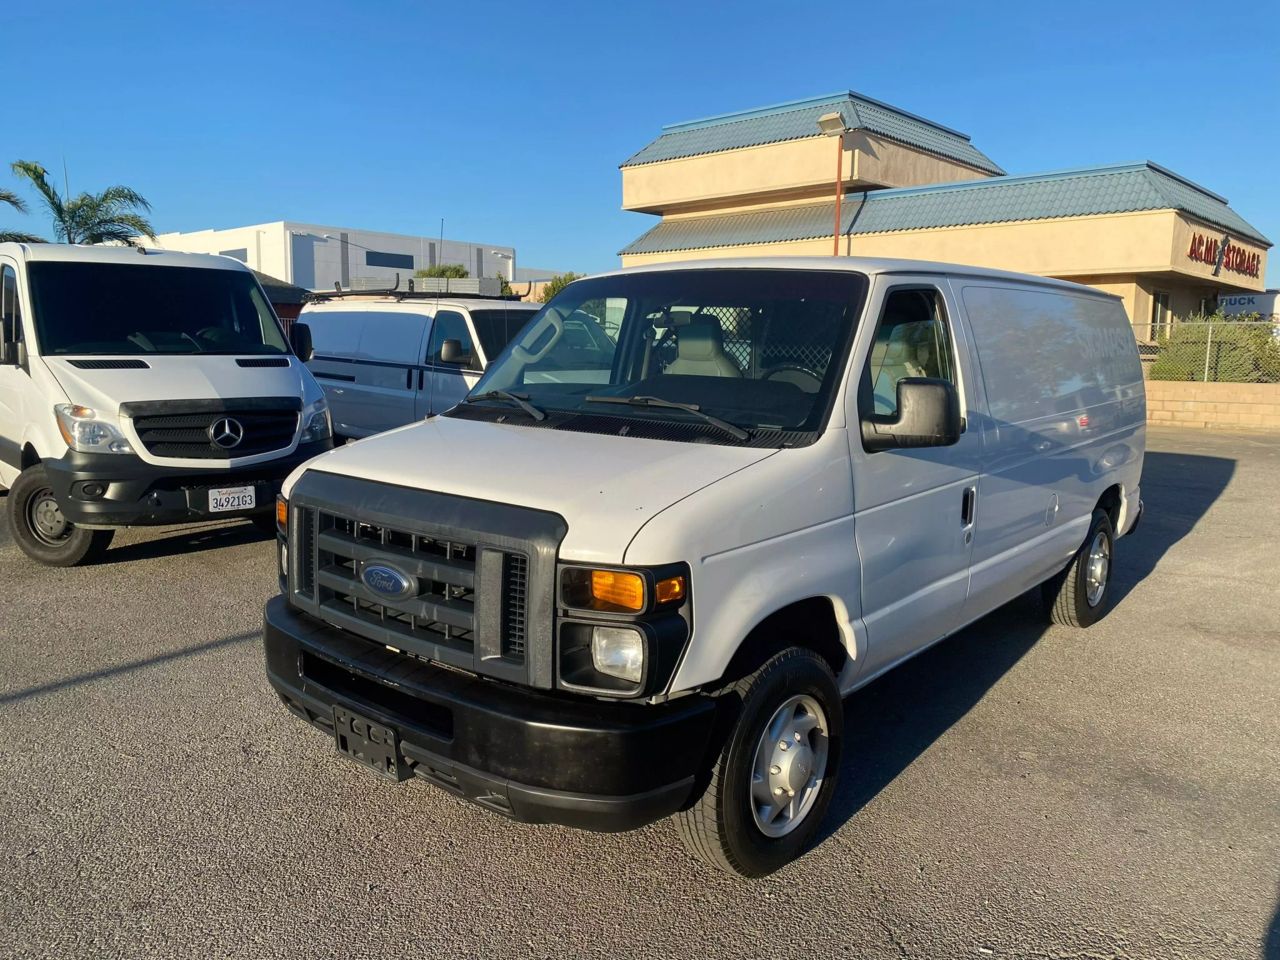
(775, 776)
(1080, 594)
(41, 530)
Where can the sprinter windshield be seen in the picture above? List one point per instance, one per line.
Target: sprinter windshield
(754, 356)
(113, 309)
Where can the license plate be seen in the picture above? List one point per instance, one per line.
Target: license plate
(224, 499)
(369, 744)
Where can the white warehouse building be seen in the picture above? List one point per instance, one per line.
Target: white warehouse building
(316, 257)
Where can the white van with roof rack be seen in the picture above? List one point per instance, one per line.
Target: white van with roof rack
(142, 387)
(640, 584)
(388, 358)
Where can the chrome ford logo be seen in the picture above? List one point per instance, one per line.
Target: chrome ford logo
(387, 581)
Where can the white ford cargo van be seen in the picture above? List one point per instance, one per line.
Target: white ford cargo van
(385, 360)
(140, 387)
(642, 589)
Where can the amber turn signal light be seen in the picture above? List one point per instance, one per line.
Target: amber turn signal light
(670, 590)
(282, 513)
(618, 589)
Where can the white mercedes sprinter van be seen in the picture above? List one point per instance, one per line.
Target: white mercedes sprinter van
(142, 387)
(388, 359)
(643, 589)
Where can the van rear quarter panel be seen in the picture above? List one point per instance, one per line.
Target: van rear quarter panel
(1064, 420)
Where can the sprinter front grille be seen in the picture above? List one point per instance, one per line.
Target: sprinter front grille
(215, 429)
(448, 579)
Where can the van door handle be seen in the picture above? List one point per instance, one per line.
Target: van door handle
(966, 506)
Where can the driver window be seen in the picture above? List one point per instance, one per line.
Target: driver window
(10, 311)
(450, 326)
(911, 341)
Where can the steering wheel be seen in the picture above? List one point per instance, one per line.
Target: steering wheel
(795, 374)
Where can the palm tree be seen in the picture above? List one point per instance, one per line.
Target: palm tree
(15, 201)
(112, 215)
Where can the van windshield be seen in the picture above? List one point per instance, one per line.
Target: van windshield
(760, 350)
(114, 309)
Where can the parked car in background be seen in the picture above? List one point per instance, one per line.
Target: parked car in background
(142, 387)
(642, 578)
(385, 360)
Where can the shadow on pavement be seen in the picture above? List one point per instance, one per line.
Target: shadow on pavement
(129, 667)
(1271, 946)
(189, 539)
(1177, 489)
(896, 718)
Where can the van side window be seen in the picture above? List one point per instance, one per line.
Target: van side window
(10, 310)
(911, 341)
(450, 326)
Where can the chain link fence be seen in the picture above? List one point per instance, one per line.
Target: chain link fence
(1217, 351)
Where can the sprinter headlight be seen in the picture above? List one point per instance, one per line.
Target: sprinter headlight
(85, 433)
(316, 422)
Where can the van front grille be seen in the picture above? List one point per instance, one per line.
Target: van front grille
(214, 430)
(439, 577)
(438, 605)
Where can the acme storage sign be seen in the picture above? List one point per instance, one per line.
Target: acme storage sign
(1235, 258)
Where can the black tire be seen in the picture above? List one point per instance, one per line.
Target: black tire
(39, 530)
(721, 828)
(265, 522)
(1067, 595)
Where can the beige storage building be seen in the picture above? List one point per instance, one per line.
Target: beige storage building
(763, 182)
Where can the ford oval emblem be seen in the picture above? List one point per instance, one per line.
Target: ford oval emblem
(387, 581)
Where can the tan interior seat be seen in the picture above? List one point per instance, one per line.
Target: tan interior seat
(700, 352)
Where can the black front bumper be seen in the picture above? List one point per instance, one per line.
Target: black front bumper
(534, 757)
(137, 493)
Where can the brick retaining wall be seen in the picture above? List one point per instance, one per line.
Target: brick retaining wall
(1231, 406)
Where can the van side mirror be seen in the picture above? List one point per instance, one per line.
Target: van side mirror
(300, 340)
(928, 416)
(451, 352)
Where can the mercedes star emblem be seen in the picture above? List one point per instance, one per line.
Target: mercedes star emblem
(226, 433)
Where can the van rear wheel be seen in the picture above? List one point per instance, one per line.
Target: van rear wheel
(774, 778)
(40, 529)
(1080, 595)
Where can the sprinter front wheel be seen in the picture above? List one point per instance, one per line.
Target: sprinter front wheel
(41, 530)
(776, 774)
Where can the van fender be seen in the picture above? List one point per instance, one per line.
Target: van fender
(737, 589)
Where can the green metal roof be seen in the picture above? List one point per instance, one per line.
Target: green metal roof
(1091, 191)
(798, 119)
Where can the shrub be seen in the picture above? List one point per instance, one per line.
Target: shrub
(1236, 351)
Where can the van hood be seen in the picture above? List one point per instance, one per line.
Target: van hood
(605, 487)
(187, 377)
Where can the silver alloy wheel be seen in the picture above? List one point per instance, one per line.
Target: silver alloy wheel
(1097, 568)
(790, 766)
(45, 519)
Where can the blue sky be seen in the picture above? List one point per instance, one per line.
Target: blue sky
(509, 120)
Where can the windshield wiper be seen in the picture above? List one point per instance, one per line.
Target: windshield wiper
(521, 400)
(732, 429)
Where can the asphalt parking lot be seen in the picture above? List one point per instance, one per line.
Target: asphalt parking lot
(1018, 791)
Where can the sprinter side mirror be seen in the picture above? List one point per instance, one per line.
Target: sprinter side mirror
(300, 340)
(451, 352)
(928, 416)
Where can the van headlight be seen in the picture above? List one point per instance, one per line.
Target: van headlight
(85, 433)
(618, 652)
(316, 422)
(620, 631)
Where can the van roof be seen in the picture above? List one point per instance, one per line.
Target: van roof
(867, 265)
(390, 301)
(76, 253)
